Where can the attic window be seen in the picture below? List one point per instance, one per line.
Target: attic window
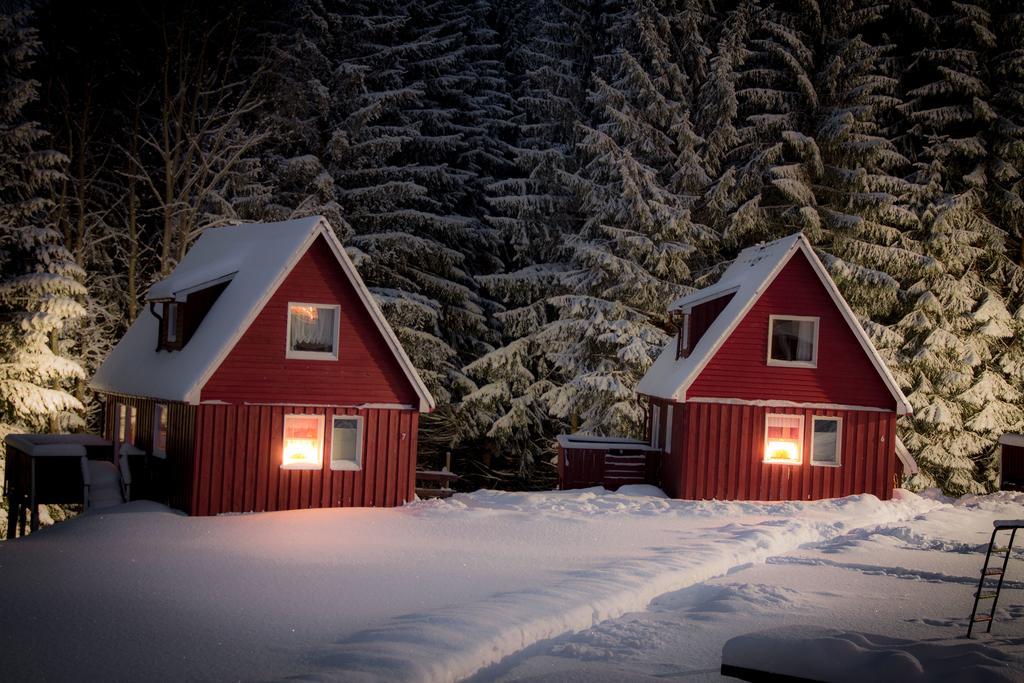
(793, 341)
(312, 331)
(783, 438)
(171, 328)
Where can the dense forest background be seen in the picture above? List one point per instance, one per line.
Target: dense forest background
(526, 185)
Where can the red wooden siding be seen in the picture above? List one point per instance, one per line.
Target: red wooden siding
(845, 374)
(610, 467)
(704, 314)
(720, 450)
(257, 371)
(165, 479)
(580, 468)
(238, 461)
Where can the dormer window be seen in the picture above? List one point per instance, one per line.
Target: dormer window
(180, 318)
(171, 316)
(171, 332)
(312, 332)
(793, 341)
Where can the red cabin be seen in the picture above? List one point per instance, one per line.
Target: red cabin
(771, 390)
(263, 376)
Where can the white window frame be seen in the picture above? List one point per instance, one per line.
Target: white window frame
(813, 363)
(171, 321)
(125, 420)
(311, 355)
(839, 440)
(667, 445)
(159, 409)
(655, 424)
(348, 465)
(319, 465)
(800, 441)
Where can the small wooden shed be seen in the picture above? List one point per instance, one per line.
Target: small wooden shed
(585, 461)
(771, 389)
(1011, 462)
(263, 376)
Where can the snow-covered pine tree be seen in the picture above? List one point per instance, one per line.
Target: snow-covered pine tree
(532, 210)
(302, 95)
(40, 285)
(770, 189)
(590, 345)
(638, 241)
(960, 329)
(843, 176)
(389, 192)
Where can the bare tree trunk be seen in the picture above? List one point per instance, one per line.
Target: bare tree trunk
(133, 222)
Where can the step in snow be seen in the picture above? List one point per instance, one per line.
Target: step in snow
(105, 485)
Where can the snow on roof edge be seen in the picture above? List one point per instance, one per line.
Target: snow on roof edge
(749, 276)
(119, 372)
(1012, 440)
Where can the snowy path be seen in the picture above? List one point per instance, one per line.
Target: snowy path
(473, 636)
(908, 580)
(433, 591)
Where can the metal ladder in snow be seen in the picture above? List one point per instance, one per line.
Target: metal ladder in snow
(988, 592)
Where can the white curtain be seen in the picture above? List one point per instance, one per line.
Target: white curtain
(805, 340)
(312, 328)
(793, 340)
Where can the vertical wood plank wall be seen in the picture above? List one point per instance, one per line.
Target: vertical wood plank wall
(238, 461)
(175, 471)
(720, 450)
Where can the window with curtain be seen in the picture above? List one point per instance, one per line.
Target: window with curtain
(303, 442)
(793, 341)
(312, 331)
(125, 431)
(783, 438)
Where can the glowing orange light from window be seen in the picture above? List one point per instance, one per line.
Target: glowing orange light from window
(301, 442)
(307, 312)
(782, 451)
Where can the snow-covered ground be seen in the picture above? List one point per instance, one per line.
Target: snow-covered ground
(584, 585)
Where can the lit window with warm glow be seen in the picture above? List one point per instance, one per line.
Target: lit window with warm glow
(125, 416)
(783, 437)
(312, 331)
(160, 430)
(303, 442)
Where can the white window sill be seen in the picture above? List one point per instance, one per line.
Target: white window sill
(346, 467)
(310, 355)
(302, 466)
(781, 462)
(791, 363)
(826, 464)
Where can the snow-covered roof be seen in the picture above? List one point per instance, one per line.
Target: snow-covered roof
(748, 277)
(1012, 440)
(254, 258)
(577, 441)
